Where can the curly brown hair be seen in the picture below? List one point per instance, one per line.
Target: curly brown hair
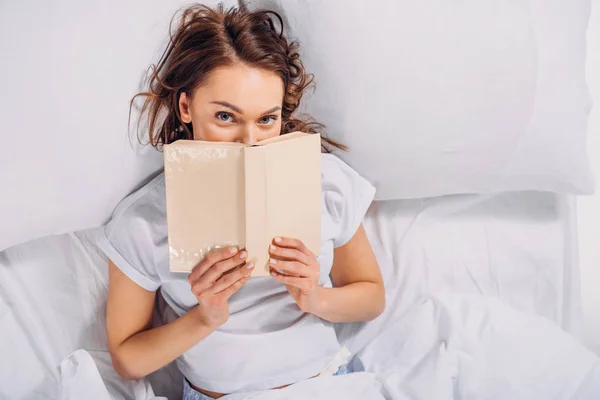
(208, 38)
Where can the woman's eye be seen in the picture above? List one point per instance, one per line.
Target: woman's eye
(268, 120)
(224, 117)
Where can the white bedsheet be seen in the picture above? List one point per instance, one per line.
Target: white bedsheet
(520, 247)
(517, 247)
(442, 348)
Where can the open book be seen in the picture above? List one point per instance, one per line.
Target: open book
(232, 194)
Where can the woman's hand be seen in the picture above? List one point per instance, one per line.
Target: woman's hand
(293, 264)
(214, 280)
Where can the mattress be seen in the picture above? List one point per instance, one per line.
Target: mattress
(518, 247)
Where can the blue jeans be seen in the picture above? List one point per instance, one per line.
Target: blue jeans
(190, 393)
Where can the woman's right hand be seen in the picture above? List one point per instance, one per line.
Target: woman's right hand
(214, 280)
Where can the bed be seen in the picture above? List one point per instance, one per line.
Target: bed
(518, 247)
(483, 289)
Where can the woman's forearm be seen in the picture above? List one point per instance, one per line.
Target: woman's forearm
(359, 301)
(148, 351)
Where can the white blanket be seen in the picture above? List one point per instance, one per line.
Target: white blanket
(441, 348)
(513, 247)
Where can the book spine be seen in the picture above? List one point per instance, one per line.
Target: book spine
(255, 182)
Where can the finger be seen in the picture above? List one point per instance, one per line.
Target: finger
(210, 259)
(237, 285)
(292, 243)
(227, 280)
(293, 268)
(216, 271)
(304, 284)
(222, 267)
(284, 253)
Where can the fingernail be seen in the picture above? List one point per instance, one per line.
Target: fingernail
(280, 271)
(272, 261)
(250, 266)
(273, 274)
(273, 248)
(277, 239)
(233, 250)
(243, 254)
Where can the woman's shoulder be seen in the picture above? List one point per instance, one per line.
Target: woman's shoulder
(137, 225)
(146, 205)
(346, 196)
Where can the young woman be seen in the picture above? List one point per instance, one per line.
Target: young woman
(231, 75)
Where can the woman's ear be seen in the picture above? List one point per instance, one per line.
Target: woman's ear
(184, 108)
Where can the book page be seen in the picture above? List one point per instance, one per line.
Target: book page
(256, 209)
(282, 138)
(205, 200)
(293, 199)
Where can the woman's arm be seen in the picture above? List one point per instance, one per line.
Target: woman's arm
(135, 349)
(358, 293)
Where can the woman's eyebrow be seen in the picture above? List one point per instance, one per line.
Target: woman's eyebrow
(228, 105)
(239, 110)
(272, 110)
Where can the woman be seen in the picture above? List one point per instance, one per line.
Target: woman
(229, 75)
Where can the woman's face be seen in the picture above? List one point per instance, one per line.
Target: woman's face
(235, 104)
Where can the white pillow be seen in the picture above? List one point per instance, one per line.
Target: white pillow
(439, 97)
(69, 69)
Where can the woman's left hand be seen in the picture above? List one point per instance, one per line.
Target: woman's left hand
(293, 264)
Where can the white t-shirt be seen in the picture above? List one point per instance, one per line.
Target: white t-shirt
(267, 341)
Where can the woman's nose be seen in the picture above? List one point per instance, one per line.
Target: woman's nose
(250, 136)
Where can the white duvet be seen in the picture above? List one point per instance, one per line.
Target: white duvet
(441, 348)
(477, 290)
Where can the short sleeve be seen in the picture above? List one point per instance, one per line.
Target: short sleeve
(347, 197)
(133, 233)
